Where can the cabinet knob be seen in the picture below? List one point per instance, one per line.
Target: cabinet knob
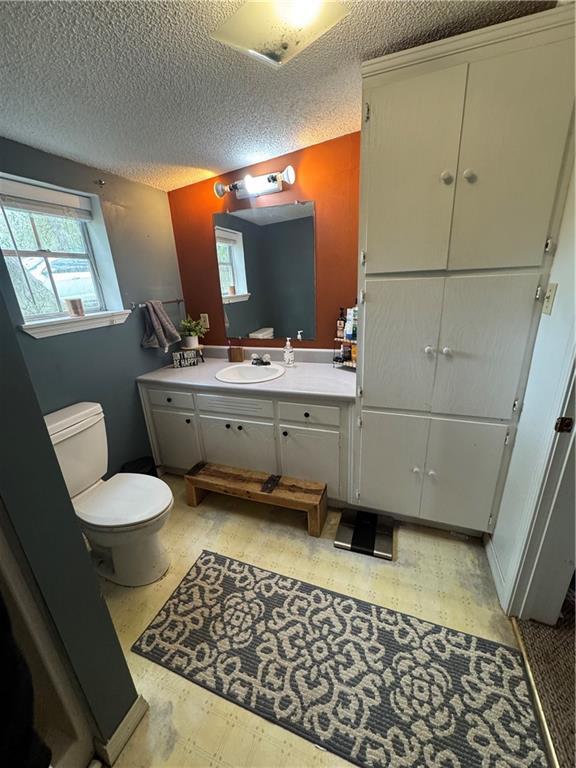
(469, 175)
(446, 177)
(187, 421)
(227, 426)
(447, 351)
(285, 433)
(306, 415)
(429, 350)
(168, 399)
(239, 427)
(431, 473)
(416, 470)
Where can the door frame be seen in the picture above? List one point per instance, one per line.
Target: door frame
(533, 555)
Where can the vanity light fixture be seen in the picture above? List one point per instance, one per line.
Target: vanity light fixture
(274, 31)
(255, 186)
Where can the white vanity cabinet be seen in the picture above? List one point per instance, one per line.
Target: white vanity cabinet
(239, 443)
(307, 439)
(176, 438)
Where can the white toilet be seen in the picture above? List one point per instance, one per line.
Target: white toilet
(120, 517)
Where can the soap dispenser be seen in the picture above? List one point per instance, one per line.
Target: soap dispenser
(288, 353)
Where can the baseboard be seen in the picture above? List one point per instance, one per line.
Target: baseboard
(497, 576)
(110, 751)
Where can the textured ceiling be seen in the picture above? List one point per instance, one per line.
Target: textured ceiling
(140, 88)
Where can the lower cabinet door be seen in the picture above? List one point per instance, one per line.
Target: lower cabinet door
(462, 468)
(311, 454)
(239, 443)
(392, 456)
(176, 438)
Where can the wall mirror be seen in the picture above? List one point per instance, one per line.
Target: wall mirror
(266, 264)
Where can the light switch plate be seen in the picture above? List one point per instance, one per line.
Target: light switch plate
(549, 298)
(204, 319)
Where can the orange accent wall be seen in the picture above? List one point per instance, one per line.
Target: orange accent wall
(326, 173)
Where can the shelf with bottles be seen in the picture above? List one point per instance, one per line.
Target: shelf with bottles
(345, 355)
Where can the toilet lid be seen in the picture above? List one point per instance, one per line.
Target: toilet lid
(125, 499)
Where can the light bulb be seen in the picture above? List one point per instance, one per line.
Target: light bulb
(298, 13)
(289, 175)
(219, 189)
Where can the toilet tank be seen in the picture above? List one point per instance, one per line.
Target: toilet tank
(78, 434)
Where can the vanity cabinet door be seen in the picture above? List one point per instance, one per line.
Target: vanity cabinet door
(311, 454)
(239, 443)
(392, 458)
(176, 438)
(409, 166)
(462, 469)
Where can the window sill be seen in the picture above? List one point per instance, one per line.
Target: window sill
(40, 329)
(234, 299)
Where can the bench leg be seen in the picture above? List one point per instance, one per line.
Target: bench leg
(194, 495)
(317, 517)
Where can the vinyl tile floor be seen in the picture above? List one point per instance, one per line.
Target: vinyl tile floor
(437, 577)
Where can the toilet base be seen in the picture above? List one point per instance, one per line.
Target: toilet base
(130, 558)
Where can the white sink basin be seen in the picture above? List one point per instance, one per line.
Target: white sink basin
(243, 373)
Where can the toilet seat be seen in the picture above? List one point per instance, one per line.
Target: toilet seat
(126, 500)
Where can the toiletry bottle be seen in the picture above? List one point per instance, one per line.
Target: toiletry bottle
(349, 326)
(355, 322)
(340, 323)
(288, 353)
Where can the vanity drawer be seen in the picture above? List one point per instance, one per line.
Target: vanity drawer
(328, 415)
(240, 406)
(174, 399)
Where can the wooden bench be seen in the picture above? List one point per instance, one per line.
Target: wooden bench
(277, 490)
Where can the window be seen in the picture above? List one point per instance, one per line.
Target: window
(231, 266)
(48, 254)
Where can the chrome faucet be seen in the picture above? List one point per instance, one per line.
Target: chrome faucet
(260, 359)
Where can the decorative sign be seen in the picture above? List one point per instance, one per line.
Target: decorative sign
(186, 358)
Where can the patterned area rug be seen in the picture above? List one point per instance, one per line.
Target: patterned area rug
(550, 652)
(377, 687)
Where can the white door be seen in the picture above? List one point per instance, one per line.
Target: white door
(516, 121)
(410, 156)
(402, 322)
(484, 333)
(311, 454)
(239, 443)
(177, 438)
(392, 455)
(462, 467)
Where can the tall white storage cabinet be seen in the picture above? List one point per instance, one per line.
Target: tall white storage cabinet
(465, 146)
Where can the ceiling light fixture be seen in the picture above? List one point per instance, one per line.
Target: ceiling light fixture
(255, 186)
(275, 31)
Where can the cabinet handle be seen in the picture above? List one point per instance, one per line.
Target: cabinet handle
(447, 351)
(306, 415)
(429, 350)
(168, 399)
(469, 175)
(239, 427)
(187, 421)
(227, 426)
(285, 433)
(431, 473)
(446, 177)
(416, 470)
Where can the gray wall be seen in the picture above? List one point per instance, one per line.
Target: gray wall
(102, 364)
(36, 509)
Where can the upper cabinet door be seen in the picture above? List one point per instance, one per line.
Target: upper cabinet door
(516, 121)
(483, 337)
(402, 322)
(410, 158)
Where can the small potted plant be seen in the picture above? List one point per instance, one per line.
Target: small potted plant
(190, 330)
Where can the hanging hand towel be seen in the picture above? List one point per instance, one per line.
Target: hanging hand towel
(159, 331)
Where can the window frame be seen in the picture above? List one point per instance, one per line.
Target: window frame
(234, 239)
(46, 254)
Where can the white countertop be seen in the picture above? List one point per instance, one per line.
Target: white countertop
(312, 379)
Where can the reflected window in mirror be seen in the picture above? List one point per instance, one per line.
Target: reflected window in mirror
(231, 265)
(267, 269)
